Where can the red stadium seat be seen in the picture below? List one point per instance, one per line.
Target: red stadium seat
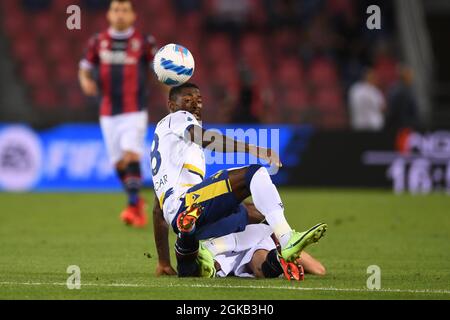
(252, 45)
(24, 47)
(15, 23)
(297, 98)
(57, 48)
(218, 48)
(192, 23)
(289, 72)
(329, 99)
(74, 98)
(42, 24)
(45, 97)
(11, 7)
(323, 73)
(65, 74)
(158, 6)
(386, 70)
(166, 28)
(34, 73)
(331, 106)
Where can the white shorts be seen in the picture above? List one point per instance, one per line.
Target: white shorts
(124, 133)
(236, 262)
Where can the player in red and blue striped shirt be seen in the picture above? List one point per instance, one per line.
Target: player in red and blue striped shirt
(116, 67)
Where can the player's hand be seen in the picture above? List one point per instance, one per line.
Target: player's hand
(89, 87)
(165, 269)
(268, 155)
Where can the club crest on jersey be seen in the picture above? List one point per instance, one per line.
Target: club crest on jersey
(135, 44)
(104, 44)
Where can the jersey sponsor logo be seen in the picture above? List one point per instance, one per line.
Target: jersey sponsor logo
(116, 58)
(119, 45)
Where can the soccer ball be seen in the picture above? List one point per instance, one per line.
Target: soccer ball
(173, 65)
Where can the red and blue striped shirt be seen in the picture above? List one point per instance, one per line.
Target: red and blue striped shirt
(122, 61)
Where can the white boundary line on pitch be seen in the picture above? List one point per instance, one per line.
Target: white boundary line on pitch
(215, 286)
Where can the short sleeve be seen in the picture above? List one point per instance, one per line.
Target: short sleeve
(180, 122)
(91, 56)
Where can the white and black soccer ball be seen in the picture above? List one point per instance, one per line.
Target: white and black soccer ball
(173, 65)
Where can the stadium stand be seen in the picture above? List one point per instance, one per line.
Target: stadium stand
(296, 52)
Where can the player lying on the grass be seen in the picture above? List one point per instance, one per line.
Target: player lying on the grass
(251, 253)
(210, 208)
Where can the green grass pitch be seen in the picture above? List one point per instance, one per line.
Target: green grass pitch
(407, 237)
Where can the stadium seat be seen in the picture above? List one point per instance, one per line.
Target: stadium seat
(65, 74)
(386, 70)
(289, 72)
(329, 99)
(34, 72)
(74, 98)
(45, 98)
(43, 24)
(329, 102)
(24, 47)
(57, 48)
(252, 45)
(15, 23)
(323, 73)
(218, 49)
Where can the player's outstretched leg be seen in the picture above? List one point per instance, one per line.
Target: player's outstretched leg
(255, 180)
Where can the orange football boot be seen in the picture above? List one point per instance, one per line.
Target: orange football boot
(135, 215)
(292, 271)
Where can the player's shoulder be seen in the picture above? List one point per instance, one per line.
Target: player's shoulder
(97, 37)
(176, 118)
(183, 115)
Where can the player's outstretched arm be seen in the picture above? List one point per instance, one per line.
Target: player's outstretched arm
(218, 142)
(161, 232)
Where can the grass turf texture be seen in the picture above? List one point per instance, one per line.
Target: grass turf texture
(407, 237)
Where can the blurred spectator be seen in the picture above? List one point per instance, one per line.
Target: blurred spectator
(248, 99)
(367, 104)
(402, 106)
(228, 15)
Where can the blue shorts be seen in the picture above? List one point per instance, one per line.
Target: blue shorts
(222, 213)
